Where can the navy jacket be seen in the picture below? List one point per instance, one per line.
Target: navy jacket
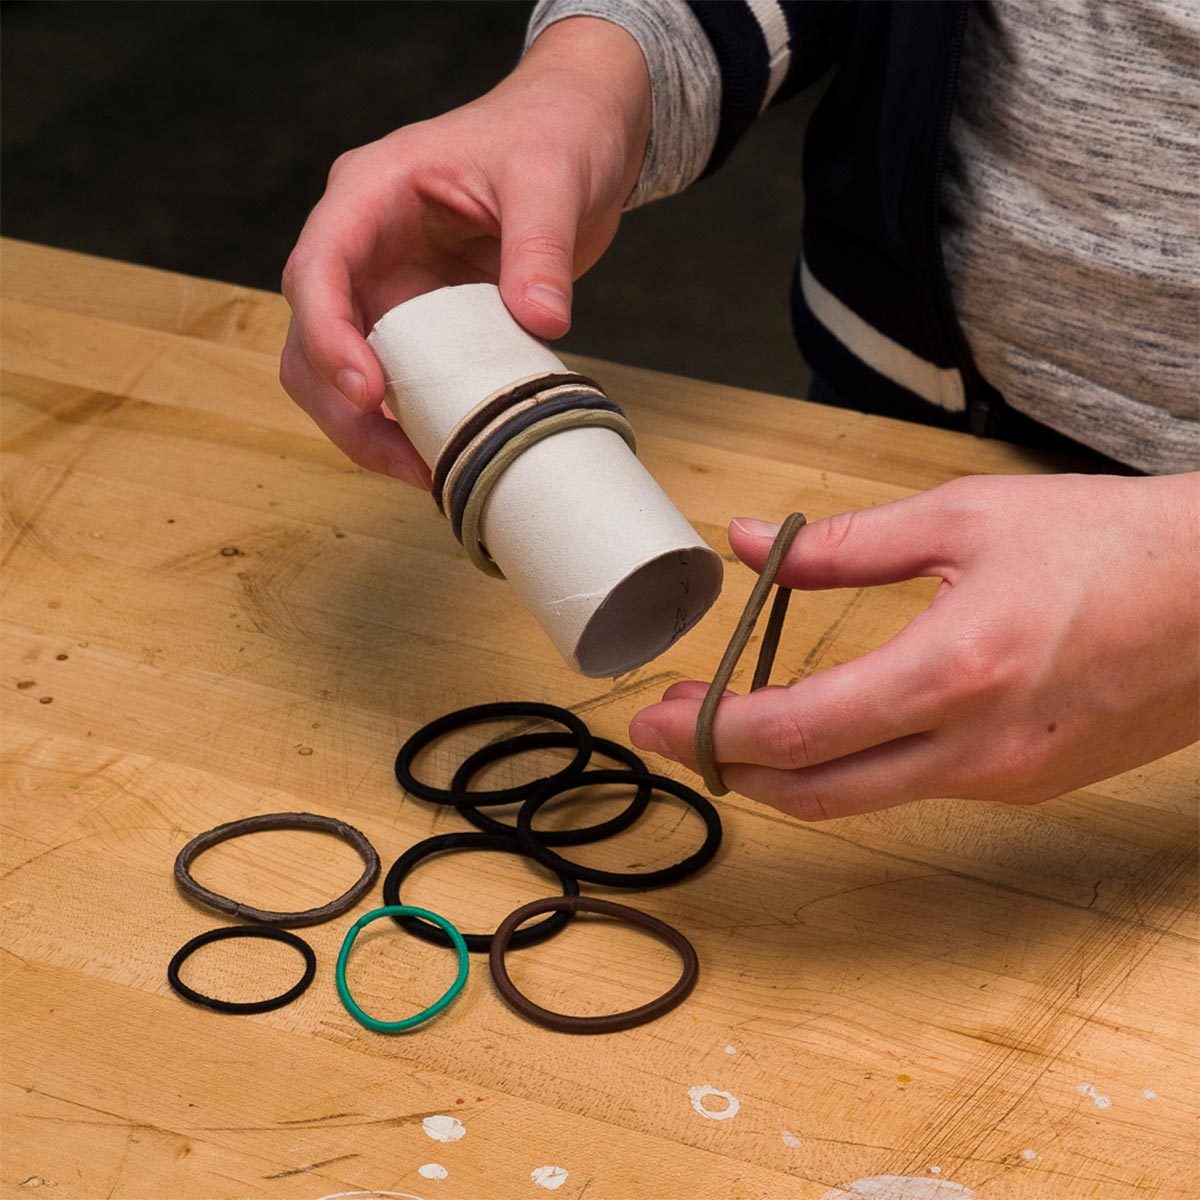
(871, 302)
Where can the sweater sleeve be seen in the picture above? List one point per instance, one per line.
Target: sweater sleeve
(766, 52)
(685, 84)
(714, 66)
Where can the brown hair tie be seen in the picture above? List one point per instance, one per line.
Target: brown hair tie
(706, 758)
(564, 1022)
(490, 408)
(268, 821)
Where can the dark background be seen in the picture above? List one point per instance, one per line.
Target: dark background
(196, 136)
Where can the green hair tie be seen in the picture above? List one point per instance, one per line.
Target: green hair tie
(426, 1014)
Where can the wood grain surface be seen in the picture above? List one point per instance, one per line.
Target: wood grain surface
(208, 613)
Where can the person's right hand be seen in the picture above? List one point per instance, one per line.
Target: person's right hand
(523, 187)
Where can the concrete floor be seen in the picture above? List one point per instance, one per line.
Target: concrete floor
(196, 136)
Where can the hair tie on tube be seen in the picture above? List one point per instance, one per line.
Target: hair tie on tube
(528, 742)
(518, 410)
(488, 410)
(426, 1014)
(440, 844)
(610, 1023)
(242, 931)
(531, 841)
(260, 824)
(575, 418)
(705, 753)
(478, 714)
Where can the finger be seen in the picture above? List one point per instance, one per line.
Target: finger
(317, 283)
(907, 539)
(688, 689)
(369, 439)
(895, 690)
(538, 224)
(912, 768)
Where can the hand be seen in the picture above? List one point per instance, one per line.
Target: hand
(1060, 649)
(524, 185)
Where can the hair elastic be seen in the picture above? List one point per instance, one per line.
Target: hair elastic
(271, 821)
(481, 454)
(242, 931)
(587, 417)
(529, 742)
(479, 714)
(533, 844)
(610, 1023)
(441, 844)
(706, 758)
(426, 1014)
(487, 411)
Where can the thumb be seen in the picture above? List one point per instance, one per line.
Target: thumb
(907, 539)
(537, 244)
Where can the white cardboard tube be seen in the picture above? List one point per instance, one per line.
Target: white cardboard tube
(606, 564)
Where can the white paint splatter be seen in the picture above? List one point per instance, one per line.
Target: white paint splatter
(900, 1187)
(1029, 1155)
(1087, 1089)
(443, 1128)
(789, 1138)
(549, 1177)
(698, 1094)
(370, 1195)
(432, 1171)
(1149, 1094)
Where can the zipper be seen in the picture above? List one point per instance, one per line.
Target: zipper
(980, 415)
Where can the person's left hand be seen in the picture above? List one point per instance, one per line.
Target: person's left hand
(1061, 648)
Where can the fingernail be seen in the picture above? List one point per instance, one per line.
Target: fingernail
(353, 386)
(550, 300)
(407, 473)
(646, 737)
(753, 527)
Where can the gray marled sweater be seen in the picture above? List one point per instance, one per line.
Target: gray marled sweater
(1072, 238)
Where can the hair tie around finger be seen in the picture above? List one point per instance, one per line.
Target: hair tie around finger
(706, 759)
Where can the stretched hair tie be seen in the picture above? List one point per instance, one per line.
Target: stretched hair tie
(498, 430)
(487, 411)
(524, 408)
(575, 418)
(706, 757)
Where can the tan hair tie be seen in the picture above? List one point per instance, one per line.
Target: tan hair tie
(578, 418)
(706, 758)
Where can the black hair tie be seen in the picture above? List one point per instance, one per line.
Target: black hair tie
(533, 843)
(478, 942)
(242, 931)
(529, 742)
(478, 714)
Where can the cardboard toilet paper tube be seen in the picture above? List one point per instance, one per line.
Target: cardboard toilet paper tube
(606, 564)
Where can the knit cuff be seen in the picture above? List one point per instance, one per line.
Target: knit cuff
(685, 85)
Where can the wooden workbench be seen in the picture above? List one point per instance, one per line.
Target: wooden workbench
(209, 613)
